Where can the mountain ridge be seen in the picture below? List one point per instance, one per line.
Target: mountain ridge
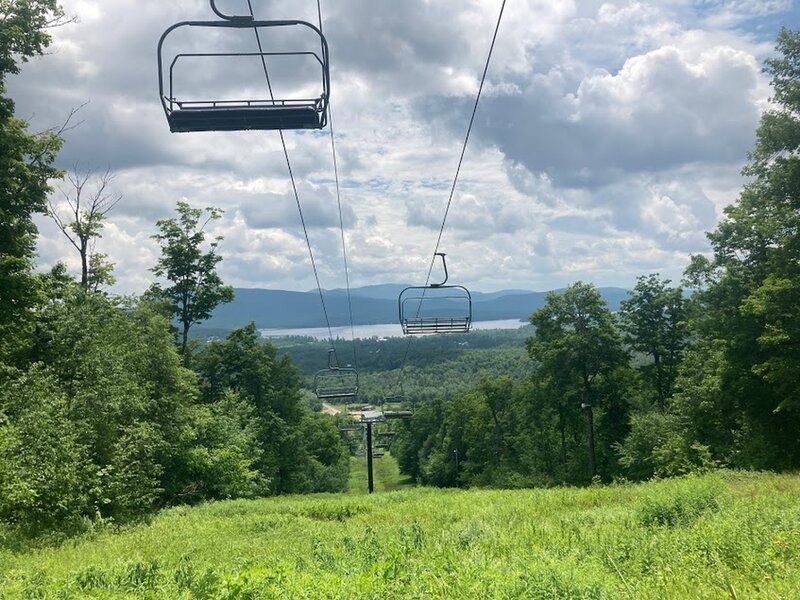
(371, 305)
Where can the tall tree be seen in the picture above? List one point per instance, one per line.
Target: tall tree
(750, 297)
(87, 208)
(653, 318)
(576, 343)
(189, 263)
(25, 167)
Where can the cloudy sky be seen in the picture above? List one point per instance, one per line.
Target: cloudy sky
(608, 140)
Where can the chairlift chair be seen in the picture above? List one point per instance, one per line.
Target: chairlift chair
(400, 399)
(394, 413)
(185, 114)
(336, 383)
(435, 308)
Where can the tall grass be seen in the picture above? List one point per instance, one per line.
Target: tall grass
(386, 475)
(725, 535)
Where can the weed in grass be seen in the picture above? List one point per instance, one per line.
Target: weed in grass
(139, 575)
(331, 511)
(35, 587)
(322, 556)
(682, 503)
(92, 578)
(271, 523)
(412, 537)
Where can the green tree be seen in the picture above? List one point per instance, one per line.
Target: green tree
(25, 167)
(189, 263)
(576, 345)
(653, 317)
(298, 452)
(749, 299)
(86, 212)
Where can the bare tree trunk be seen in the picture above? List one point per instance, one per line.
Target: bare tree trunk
(185, 342)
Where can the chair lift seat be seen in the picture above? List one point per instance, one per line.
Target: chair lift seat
(397, 414)
(216, 118)
(330, 393)
(436, 325)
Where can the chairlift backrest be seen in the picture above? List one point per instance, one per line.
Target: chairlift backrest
(265, 113)
(435, 308)
(394, 399)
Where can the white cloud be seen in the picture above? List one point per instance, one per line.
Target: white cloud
(610, 136)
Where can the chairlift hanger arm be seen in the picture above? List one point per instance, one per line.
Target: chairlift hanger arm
(331, 356)
(222, 15)
(444, 264)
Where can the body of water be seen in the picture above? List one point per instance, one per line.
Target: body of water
(382, 330)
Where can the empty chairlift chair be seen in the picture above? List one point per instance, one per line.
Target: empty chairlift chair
(435, 308)
(383, 440)
(392, 408)
(190, 109)
(336, 384)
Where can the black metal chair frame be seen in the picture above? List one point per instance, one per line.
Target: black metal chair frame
(395, 413)
(421, 324)
(348, 382)
(236, 115)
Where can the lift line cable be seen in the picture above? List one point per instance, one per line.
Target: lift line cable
(294, 190)
(466, 140)
(458, 171)
(341, 221)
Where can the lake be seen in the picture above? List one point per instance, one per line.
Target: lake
(381, 330)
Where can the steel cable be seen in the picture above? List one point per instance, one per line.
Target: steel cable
(458, 172)
(294, 190)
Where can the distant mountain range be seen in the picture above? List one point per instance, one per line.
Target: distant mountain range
(372, 304)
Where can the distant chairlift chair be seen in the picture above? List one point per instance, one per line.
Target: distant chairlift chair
(204, 114)
(435, 308)
(337, 384)
(394, 411)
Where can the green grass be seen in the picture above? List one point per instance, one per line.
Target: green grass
(386, 475)
(726, 535)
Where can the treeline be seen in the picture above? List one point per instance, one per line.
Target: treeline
(106, 414)
(716, 375)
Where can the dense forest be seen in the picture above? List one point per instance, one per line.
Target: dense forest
(427, 368)
(109, 410)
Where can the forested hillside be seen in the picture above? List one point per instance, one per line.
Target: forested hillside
(108, 412)
(429, 367)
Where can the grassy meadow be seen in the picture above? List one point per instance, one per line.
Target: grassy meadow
(723, 535)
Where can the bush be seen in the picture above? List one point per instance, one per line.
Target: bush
(47, 477)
